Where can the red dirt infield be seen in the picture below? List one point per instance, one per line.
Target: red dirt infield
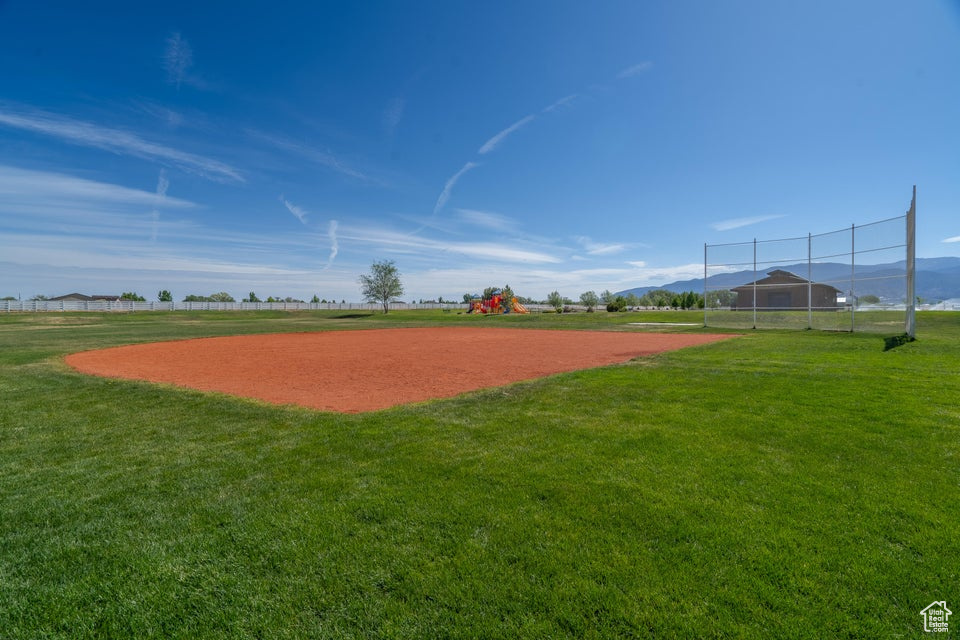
(366, 370)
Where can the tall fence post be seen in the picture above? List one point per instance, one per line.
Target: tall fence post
(704, 284)
(853, 260)
(754, 283)
(910, 324)
(809, 281)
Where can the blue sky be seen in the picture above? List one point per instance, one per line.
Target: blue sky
(282, 147)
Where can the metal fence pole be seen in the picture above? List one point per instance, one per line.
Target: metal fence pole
(910, 324)
(704, 284)
(809, 282)
(853, 260)
(754, 283)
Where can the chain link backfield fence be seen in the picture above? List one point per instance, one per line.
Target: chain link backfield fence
(854, 279)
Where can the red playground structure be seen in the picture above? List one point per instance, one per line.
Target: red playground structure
(495, 304)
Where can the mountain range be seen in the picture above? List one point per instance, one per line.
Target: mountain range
(937, 279)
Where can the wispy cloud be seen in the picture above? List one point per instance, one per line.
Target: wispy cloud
(170, 118)
(635, 70)
(487, 220)
(645, 275)
(451, 183)
(177, 59)
(493, 142)
(116, 141)
(736, 223)
(299, 213)
(162, 185)
(396, 242)
(334, 243)
(600, 248)
(561, 102)
(953, 239)
(322, 157)
(393, 114)
(594, 248)
(22, 186)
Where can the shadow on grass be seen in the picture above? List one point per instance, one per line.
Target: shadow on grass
(895, 341)
(344, 316)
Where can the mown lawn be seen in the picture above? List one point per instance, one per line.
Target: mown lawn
(783, 484)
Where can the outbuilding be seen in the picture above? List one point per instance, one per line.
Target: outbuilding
(80, 297)
(782, 290)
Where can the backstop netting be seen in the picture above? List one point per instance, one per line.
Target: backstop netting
(855, 279)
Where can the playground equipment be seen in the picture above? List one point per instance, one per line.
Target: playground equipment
(495, 304)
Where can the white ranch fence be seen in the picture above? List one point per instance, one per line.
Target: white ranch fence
(130, 306)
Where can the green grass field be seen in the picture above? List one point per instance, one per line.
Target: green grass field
(780, 485)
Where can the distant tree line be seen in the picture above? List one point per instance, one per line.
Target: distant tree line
(655, 299)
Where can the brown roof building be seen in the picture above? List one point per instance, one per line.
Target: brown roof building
(79, 297)
(782, 290)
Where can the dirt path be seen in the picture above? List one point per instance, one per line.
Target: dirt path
(353, 371)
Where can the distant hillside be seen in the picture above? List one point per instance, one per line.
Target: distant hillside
(937, 279)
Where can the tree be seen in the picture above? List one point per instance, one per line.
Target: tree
(555, 300)
(252, 297)
(222, 296)
(589, 299)
(658, 298)
(165, 296)
(132, 295)
(721, 298)
(619, 303)
(315, 299)
(382, 284)
(607, 296)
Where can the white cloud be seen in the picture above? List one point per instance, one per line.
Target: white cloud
(117, 141)
(736, 223)
(635, 70)
(299, 213)
(451, 182)
(953, 239)
(493, 142)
